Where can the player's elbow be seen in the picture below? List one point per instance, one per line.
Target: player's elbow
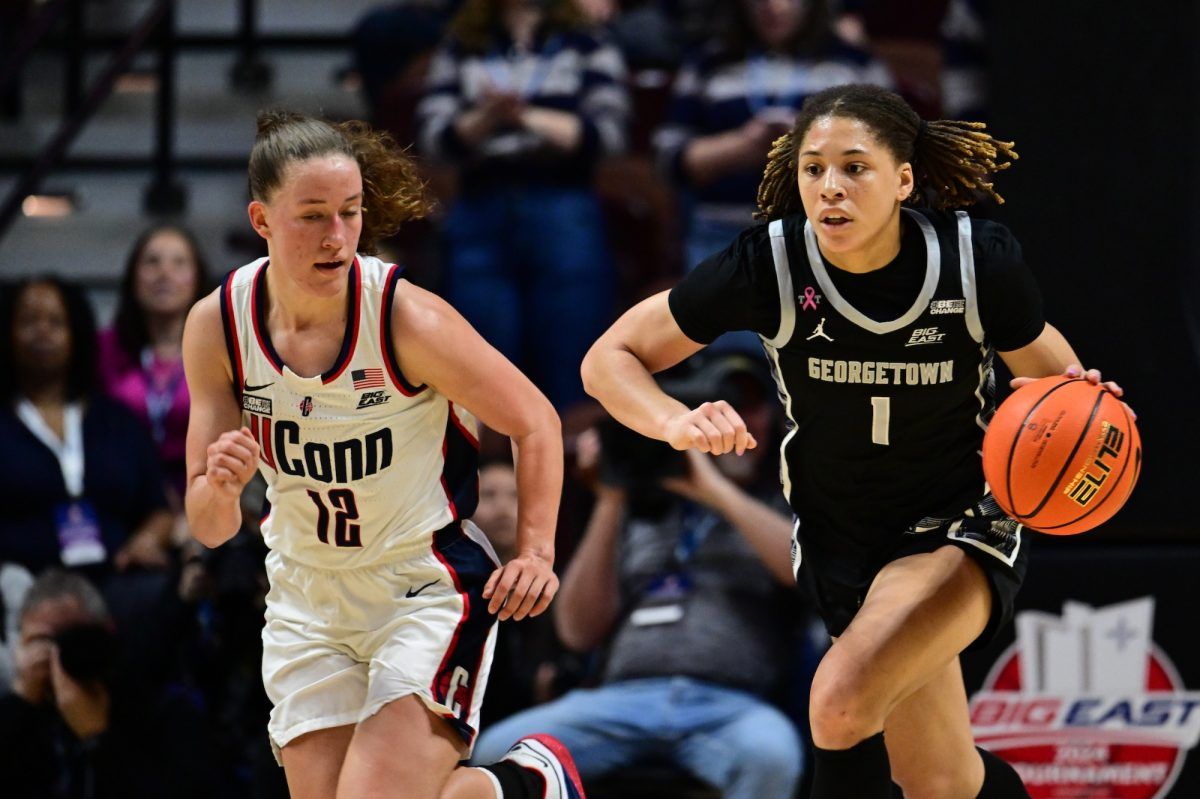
(590, 370)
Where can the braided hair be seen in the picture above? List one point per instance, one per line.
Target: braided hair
(952, 161)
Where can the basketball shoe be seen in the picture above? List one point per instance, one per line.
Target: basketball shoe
(546, 757)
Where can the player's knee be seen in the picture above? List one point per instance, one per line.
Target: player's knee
(840, 710)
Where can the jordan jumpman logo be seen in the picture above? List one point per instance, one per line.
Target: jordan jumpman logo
(819, 331)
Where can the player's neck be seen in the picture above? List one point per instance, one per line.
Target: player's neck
(875, 254)
(292, 308)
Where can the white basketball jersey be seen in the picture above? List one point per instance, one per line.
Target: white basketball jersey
(361, 466)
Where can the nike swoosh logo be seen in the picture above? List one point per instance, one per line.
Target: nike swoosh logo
(411, 593)
(249, 387)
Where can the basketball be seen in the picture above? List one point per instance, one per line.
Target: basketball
(1062, 455)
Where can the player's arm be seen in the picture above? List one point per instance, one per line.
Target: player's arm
(1049, 354)
(438, 348)
(221, 454)
(618, 371)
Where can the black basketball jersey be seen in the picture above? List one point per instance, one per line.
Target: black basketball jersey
(885, 415)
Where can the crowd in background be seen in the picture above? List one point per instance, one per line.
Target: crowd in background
(584, 153)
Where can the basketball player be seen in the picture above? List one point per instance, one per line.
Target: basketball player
(880, 321)
(349, 388)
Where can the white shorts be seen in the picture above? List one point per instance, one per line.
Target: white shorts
(338, 645)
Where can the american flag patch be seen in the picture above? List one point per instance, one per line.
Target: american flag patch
(367, 378)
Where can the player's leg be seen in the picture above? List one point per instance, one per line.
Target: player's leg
(430, 659)
(929, 740)
(406, 751)
(921, 611)
(929, 733)
(403, 750)
(316, 689)
(313, 761)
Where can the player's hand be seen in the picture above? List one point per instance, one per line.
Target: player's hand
(522, 587)
(714, 427)
(1091, 375)
(232, 461)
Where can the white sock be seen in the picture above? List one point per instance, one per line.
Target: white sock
(495, 782)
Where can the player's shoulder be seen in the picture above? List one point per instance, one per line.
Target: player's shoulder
(990, 239)
(416, 312)
(205, 314)
(204, 339)
(208, 309)
(375, 273)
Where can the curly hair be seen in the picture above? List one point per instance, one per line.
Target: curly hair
(393, 190)
(476, 25)
(952, 161)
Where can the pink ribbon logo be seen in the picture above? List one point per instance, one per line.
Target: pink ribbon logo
(810, 299)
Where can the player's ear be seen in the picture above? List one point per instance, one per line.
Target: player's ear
(907, 183)
(258, 218)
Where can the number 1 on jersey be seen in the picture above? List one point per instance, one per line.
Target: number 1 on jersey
(345, 511)
(881, 419)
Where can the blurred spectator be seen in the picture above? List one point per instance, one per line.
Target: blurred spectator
(904, 36)
(140, 357)
(965, 60)
(525, 100)
(692, 587)
(496, 513)
(391, 47)
(738, 95)
(80, 480)
(69, 728)
(521, 666)
(14, 584)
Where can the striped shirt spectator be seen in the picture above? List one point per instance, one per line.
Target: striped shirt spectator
(570, 71)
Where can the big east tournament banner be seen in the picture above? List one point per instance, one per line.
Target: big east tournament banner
(1096, 693)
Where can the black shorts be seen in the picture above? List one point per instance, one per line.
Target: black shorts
(997, 543)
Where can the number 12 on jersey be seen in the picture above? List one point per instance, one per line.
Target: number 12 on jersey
(345, 510)
(881, 419)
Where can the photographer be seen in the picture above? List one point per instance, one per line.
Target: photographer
(68, 730)
(691, 587)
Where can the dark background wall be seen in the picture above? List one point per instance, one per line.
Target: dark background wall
(1101, 98)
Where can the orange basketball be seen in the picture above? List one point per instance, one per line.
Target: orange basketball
(1062, 455)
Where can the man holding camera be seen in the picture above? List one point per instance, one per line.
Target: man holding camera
(52, 723)
(68, 728)
(685, 571)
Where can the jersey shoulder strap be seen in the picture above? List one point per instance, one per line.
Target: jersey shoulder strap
(966, 264)
(783, 278)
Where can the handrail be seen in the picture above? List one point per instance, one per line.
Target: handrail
(101, 88)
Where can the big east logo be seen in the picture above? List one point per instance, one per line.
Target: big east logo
(1086, 705)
